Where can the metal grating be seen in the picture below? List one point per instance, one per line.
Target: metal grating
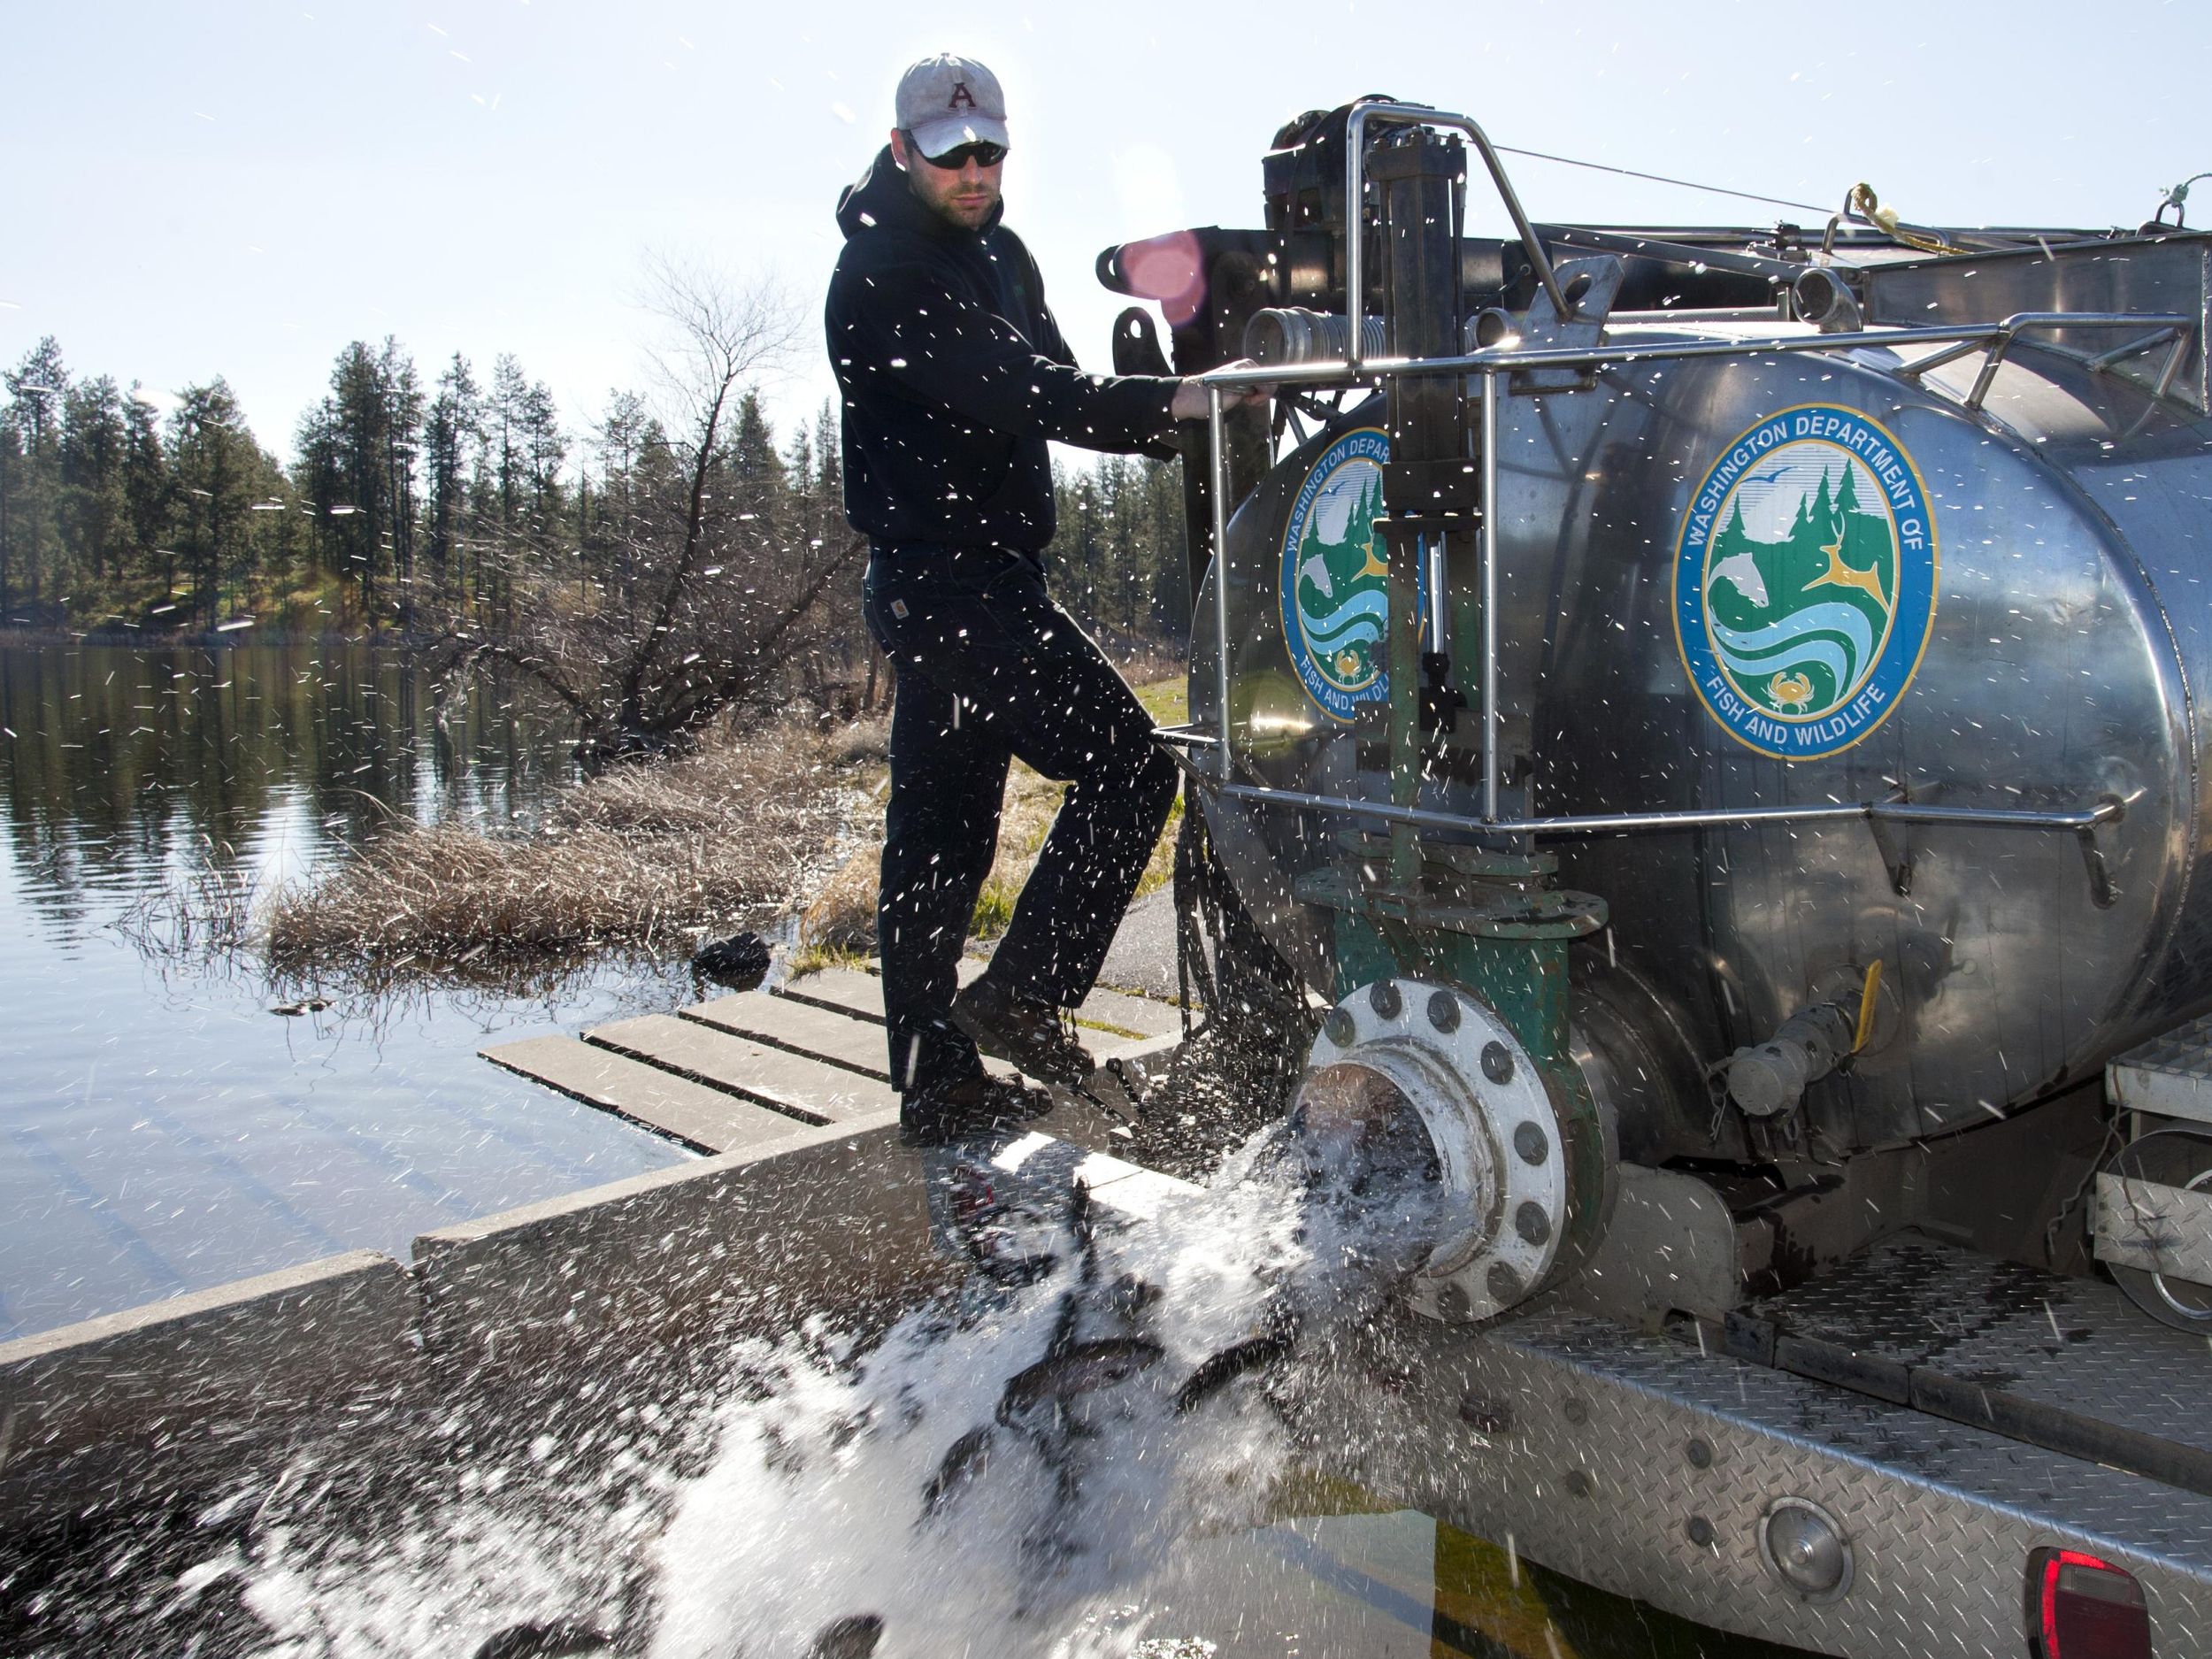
(2065, 1364)
(2170, 1075)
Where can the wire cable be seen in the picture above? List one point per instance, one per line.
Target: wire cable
(1660, 177)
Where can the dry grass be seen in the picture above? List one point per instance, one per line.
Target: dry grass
(643, 855)
(839, 926)
(648, 856)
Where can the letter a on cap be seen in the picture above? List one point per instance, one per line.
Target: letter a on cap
(946, 101)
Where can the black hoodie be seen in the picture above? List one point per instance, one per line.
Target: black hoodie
(954, 376)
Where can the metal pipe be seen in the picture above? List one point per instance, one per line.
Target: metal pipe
(1217, 444)
(1937, 359)
(1432, 579)
(1490, 596)
(1356, 185)
(1570, 356)
(2121, 353)
(1777, 271)
(1998, 348)
(1698, 314)
(1184, 737)
(2180, 350)
(1627, 823)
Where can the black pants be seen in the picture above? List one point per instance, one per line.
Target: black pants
(988, 667)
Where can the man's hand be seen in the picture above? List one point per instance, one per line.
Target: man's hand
(1191, 400)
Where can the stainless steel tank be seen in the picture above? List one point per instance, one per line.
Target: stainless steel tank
(1824, 575)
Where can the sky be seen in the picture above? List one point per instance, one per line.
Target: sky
(190, 189)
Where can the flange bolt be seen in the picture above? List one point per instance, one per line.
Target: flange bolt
(1444, 1011)
(1531, 1223)
(1532, 1143)
(1497, 1063)
(1339, 1027)
(1382, 997)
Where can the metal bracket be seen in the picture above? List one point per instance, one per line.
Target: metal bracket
(1440, 700)
(1591, 286)
(1890, 842)
(2102, 894)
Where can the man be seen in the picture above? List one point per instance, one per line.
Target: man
(954, 376)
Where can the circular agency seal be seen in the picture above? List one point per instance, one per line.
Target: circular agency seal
(1805, 581)
(1335, 577)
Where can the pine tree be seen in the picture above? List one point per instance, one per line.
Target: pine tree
(150, 491)
(30, 475)
(218, 468)
(452, 433)
(94, 511)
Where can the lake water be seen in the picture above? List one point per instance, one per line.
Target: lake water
(161, 1129)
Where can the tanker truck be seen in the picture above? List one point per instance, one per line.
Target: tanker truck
(1712, 720)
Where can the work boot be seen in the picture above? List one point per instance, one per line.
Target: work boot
(1037, 1037)
(974, 1105)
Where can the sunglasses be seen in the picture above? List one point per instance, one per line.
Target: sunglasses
(983, 155)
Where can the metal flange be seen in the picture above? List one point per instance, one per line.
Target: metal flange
(1498, 1141)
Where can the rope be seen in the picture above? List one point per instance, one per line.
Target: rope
(1660, 177)
(2177, 199)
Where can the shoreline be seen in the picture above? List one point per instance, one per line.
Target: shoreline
(206, 639)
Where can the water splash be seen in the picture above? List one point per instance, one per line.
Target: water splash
(996, 1474)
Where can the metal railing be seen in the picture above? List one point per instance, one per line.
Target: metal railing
(1492, 363)
(1355, 192)
(2179, 329)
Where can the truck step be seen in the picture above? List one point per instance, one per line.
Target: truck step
(2067, 1364)
(2170, 1075)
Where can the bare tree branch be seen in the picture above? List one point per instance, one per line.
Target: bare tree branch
(712, 571)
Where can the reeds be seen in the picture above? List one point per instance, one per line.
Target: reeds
(203, 911)
(645, 855)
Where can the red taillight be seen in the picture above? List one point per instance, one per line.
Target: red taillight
(2082, 1608)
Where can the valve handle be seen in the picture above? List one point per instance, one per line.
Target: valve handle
(1864, 1026)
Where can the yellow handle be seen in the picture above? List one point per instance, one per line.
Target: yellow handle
(1866, 1005)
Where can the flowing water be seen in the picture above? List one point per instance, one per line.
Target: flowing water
(993, 1475)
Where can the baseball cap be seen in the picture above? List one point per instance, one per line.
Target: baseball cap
(946, 101)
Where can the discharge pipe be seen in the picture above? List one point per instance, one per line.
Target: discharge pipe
(1765, 1079)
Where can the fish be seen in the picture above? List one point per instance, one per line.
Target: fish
(1741, 571)
(1218, 1370)
(1068, 1369)
(967, 1458)
(1082, 1368)
(554, 1640)
(852, 1637)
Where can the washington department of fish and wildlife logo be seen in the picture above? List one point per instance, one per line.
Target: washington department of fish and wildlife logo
(1336, 577)
(1805, 581)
